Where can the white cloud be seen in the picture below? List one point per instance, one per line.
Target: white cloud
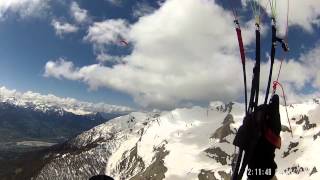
(63, 27)
(297, 75)
(45, 101)
(107, 32)
(142, 9)
(182, 52)
(311, 62)
(80, 15)
(305, 14)
(25, 8)
(59, 69)
(108, 58)
(179, 54)
(304, 71)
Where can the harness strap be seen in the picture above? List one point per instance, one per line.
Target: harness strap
(258, 56)
(243, 60)
(240, 41)
(285, 48)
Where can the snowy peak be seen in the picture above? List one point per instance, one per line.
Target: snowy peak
(51, 102)
(187, 143)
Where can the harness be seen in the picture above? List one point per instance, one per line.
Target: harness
(259, 135)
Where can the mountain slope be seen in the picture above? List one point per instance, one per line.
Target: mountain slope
(26, 129)
(193, 143)
(25, 123)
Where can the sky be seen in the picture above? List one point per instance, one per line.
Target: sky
(152, 54)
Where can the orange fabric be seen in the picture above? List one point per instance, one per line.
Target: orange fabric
(273, 138)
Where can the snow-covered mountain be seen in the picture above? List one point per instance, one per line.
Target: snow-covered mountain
(53, 103)
(183, 144)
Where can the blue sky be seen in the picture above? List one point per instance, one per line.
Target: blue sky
(29, 41)
(27, 44)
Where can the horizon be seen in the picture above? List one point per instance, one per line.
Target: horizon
(91, 107)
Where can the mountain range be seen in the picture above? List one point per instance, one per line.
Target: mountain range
(30, 122)
(186, 143)
(48, 102)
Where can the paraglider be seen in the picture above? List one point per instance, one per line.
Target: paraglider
(123, 42)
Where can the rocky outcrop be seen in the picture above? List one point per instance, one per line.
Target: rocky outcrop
(206, 175)
(209, 175)
(285, 128)
(131, 162)
(76, 163)
(316, 136)
(296, 169)
(225, 107)
(225, 130)
(224, 175)
(292, 145)
(313, 171)
(307, 125)
(156, 170)
(218, 154)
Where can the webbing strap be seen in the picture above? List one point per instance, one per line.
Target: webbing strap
(273, 52)
(241, 48)
(237, 175)
(257, 65)
(243, 60)
(285, 48)
(253, 103)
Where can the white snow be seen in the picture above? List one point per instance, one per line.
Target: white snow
(49, 102)
(186, 134)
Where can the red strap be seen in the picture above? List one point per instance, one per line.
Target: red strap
(241, 45)
(275, 83)
(273, 138)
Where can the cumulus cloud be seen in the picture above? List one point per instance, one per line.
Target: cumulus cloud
(79, 15)
(62, 28)
(24, 8)
(181, 52)
(311, 62)
(59, 69)
(305, 14)
(298, 75)
(142, 9)
(109, 58)
(107, 33)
